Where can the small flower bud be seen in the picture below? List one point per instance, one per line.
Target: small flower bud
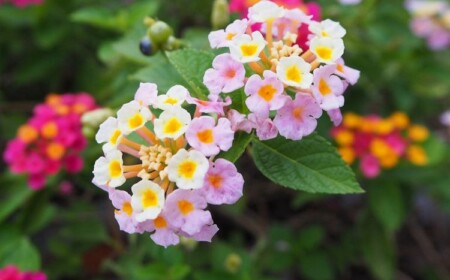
(94, 118)
(159, 32)
(220, 15)
(233, 263)
(188, 243)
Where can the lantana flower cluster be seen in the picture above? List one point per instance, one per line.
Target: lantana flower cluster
(380, 143)
(286, 87)
(170, 158)
(431, 21)
(52, 139)
(22, 3)
(11, 272)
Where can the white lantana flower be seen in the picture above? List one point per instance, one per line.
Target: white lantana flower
(327, 50)
(175, 96)
(110, 134)
(147, 200)
(108, 170)
(264, 11)
(327, 28)
(294, 71)
(172, 123)
(187, 169)
(132, 116)
(247, 49)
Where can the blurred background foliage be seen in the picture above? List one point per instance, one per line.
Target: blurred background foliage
(398, 229)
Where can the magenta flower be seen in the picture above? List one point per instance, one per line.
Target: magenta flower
(370, 166)
(223, 183)
(264, 94)
(328, 88)
(10, 272)
(298, 117)
(51, 139)
(226, 76)
(205, 136)
(185, 210)
(222, 38)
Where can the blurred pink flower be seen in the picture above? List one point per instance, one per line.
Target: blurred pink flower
(51, 139)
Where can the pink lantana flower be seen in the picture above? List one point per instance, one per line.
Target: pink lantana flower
(239, 121)
(349, 74)
(146, 94)
(223, 183)
(210, 106)
(327, 88)
(265, 127)
(298, 117)
(185, 210)
(222, 38)
(226, 75)
(164, 233)
(265, 94)
(205, 234)
(124, 214)
(205, 136)
(335, 116)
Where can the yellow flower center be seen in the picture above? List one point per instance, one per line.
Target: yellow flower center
(185, 207)
(171, 101)
(49, 130)
(230, 36)
(115, 136)
(215, 180)
(325, 34)
(27, 133)
(160, 222)
(136, 121)
(324, 88)
(324, 52)
(267, 92)
(149, 199)
(55, 151)
(340, 68)
(298, 113)
(127, 208)
(206, 136)
(115, 169)
(230, 73)
(172, 126)
(293, 74)
(249, 49)
(187, 169)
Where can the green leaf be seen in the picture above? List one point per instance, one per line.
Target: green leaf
(160, 72)
(387, 204)
(18, 194)
(240, 143)
(98, 17)
(191, 64)
(378, 250)
(317, 266)
(310, 164)
(18, 250)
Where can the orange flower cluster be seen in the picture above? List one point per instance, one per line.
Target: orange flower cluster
(380, 142)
